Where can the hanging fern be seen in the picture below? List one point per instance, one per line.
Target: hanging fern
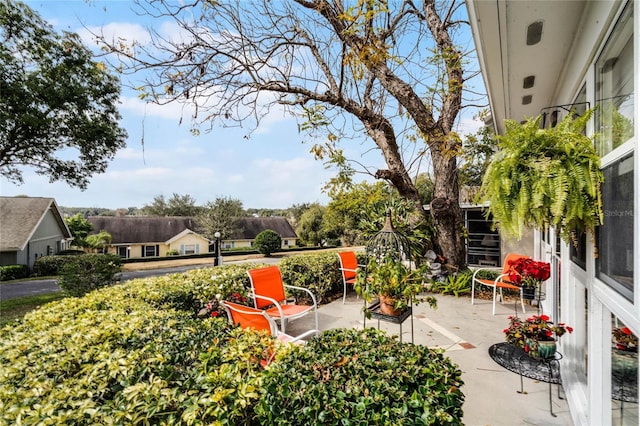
(545, 177)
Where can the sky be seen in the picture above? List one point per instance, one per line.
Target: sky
(271, 169)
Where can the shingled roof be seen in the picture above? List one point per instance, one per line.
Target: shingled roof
(141, 229)
(250, 227)
(20, 217)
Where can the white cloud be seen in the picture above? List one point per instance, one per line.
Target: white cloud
(115, 32)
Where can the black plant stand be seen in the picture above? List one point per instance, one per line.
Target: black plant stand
(515, 359)
(374, 311)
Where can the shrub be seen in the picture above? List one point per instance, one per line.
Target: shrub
(268, 242)
(51, 265)
(361, 377)
(13, 272)
(136, 354)
(320, 273)
(456, 284)
(82, 274)
(172, 252)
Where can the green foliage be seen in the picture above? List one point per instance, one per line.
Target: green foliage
(268, 242)
(55, 101)
(221, 216)
(456, 284)
(13, 272)
(309, 228)
(80, 228)
(52, 265)
(99, 241)
(172, 252)
(391, 278)
(177, 205)
(476, 155)
(81, 274)
(320, 273)
(545, 177)
(361, 377)
(136, 354)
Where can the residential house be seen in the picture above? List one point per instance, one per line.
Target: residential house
(31, 227)
(145, 236)
(249, 227)
(552, 59)
(150, 236)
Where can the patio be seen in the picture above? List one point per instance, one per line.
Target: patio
(466, 332)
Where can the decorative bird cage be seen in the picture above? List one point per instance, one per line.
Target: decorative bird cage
(389, 243)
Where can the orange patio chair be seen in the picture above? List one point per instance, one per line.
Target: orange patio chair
(257, 319)
(269, 295)
(349, 267)
(500, 282)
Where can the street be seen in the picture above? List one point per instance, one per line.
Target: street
(35, 287)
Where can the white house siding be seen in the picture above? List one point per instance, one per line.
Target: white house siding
(577, 294)
(580, 298)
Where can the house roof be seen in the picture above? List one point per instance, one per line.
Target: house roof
(162, 229)
(141, 229)
(20, 218)
(250, 227)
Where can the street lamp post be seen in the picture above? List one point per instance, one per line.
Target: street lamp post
(216, 249)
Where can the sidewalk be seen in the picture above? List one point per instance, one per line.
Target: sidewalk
(465, 332)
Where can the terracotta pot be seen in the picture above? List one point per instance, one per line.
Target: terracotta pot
(387, 306)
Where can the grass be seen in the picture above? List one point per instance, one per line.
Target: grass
(14, 309)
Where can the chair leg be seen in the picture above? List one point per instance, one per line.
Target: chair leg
(495, 288)
(522, 301)
(473, 290)
(344, 294)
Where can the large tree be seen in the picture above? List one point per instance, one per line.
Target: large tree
(177, 205)
(221, 216)
(57, 106)
(385, 69)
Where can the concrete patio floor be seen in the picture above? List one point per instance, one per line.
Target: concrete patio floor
(465, 332)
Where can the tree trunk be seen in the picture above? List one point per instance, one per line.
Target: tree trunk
(446, 212)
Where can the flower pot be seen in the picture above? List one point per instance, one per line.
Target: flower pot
(529, 293)
(546, 349)
(387, 306)
(624, 363)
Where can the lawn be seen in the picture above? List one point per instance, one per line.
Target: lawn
(14, 309)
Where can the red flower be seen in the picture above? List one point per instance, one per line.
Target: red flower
(214, 314)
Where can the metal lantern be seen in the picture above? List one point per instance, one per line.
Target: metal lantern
(389, 242)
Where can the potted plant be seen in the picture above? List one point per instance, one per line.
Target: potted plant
(624, 355)
(394, 283)
(545, 177)
(536, 335)
(624, 339)
(528, 274)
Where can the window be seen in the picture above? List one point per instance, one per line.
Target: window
(615, 87)
(190, 249)
(483, 243)
(123, 252)
(614, 127)
(149, 251)
(614, 264)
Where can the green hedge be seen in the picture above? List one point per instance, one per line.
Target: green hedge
(13, 272)
(137, 353)
(361, 377)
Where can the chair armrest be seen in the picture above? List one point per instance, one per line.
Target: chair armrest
(295, 287)
(304, 335)
(349, 269)
(270, 299)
